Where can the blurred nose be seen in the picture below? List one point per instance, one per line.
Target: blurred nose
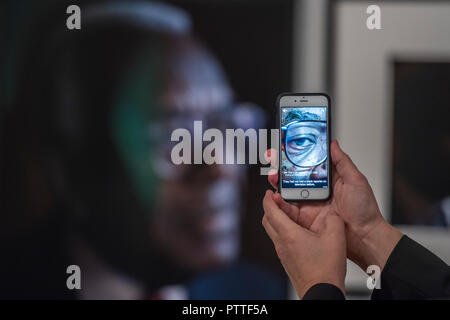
(218, 171)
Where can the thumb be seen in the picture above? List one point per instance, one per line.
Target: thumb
(328, 221)
(319, 223)
(334, 223)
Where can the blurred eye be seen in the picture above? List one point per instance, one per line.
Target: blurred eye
(301, 143)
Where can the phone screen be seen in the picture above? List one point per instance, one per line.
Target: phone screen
(304, 147)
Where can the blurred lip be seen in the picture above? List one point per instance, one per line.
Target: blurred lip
(212, 227)
(211, 238)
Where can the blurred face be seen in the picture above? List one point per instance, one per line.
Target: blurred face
(197, 223)
(194, 209)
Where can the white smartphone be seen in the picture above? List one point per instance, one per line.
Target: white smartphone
(304, 146)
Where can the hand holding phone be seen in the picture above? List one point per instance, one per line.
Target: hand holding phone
(353, 200)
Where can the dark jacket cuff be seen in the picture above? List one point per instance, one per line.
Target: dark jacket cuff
(324, 291)
(413, 272)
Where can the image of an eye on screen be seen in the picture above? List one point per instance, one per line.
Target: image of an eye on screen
(304, 147)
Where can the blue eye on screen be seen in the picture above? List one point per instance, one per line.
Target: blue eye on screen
(301, 142)
(306, 142)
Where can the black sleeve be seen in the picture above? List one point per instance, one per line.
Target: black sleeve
(324, 291)
(413, 272)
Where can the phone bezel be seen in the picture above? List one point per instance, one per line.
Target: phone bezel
(288, 100)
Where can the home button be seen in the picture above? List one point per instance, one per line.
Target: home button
(304, 194)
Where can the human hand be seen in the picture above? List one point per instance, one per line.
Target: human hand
(370, 239)
(313, 256)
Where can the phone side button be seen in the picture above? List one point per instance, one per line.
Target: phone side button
(304, 194)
